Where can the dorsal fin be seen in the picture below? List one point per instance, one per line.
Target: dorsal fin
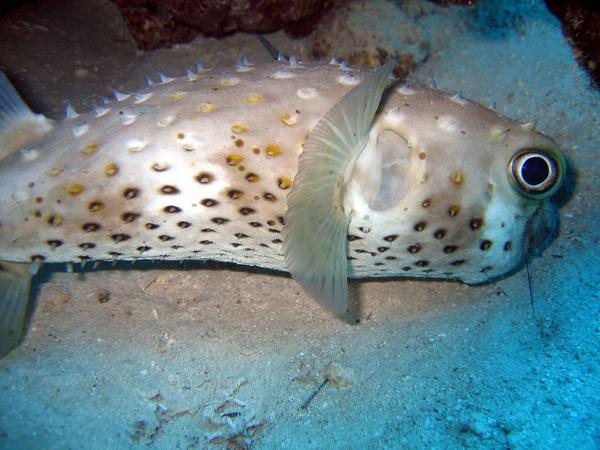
(19, 126)
(316, 231)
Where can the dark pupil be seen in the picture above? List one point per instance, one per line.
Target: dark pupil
(535, 170)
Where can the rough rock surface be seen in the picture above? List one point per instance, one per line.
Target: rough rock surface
(155, 24)
(581, 26)
(398, 36)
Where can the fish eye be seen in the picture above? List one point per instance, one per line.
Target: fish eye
(536, 173)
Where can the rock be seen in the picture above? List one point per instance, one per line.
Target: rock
(348, 34)
(154, 23)
(581, 25)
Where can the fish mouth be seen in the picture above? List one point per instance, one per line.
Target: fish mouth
(542, 229)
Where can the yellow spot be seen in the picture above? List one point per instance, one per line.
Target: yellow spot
(253, 99)
(239, 128)
(497, 131)
(90, 148)
(55, 220)
(75, 189)
(177, 96)
(289, 120)
(207, 107)
(56, 170)
(273, 150)
(111, 169)
(458, 178)
(284, 182)
(233, 159)
(96, 207)
(228, 82)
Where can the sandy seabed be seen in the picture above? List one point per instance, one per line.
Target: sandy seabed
(215, 356)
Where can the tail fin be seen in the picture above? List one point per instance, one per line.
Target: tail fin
(19, 126)
(15, 282)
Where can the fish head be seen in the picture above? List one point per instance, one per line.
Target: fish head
(447, 188)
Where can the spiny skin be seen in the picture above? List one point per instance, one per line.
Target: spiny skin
(200, 168)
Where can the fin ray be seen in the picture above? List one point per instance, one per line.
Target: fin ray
(315, 235)
(19, 126)
(15, 282)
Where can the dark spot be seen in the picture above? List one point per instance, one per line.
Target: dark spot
(262, 244)
(54, 243)
(205, 178)
(391, 258)
(475, 223)
(234, 194)
(206, 242)
(84, 258)
(271, 223)
(507, 246)
(87, 245)
(164, 237)
(39, 199)
(281, 220)
(426, 203)
(407, 268)
(236, 244)
(171, 209)
(378, 264)
(269, 197)
(450, 248)
(486, 269)
(240, 235)
(274, 230)
(176, 247)
(458, 262)
(55, 220)
(158, 167)
(256, 150)
(129, 217)
(130, 193)
(252, 177)
(89, 227)
(184, 224)
(144, 248)
(247, 211)
(219, 220)
(453, 210)
(382, 249)
(352, 237)
(439, 233)
(422, 263)
(37, 213)
(208, 230)
(169, 189)
(37, 258)
(390, 238)
(96, 206)
(255, 224)
(209, 202)
(180, 135)
(151, 226)
(420, 226)
(415, 248)
(120, 237)
(485, 245)
(239, 143)
(115, 254)
(276, 241)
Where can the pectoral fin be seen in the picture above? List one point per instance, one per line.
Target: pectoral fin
(315, 235)
(15, 281)
(19, 126)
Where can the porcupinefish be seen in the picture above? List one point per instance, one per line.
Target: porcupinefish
(318, 169)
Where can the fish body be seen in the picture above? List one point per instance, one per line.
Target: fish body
(425, 183)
